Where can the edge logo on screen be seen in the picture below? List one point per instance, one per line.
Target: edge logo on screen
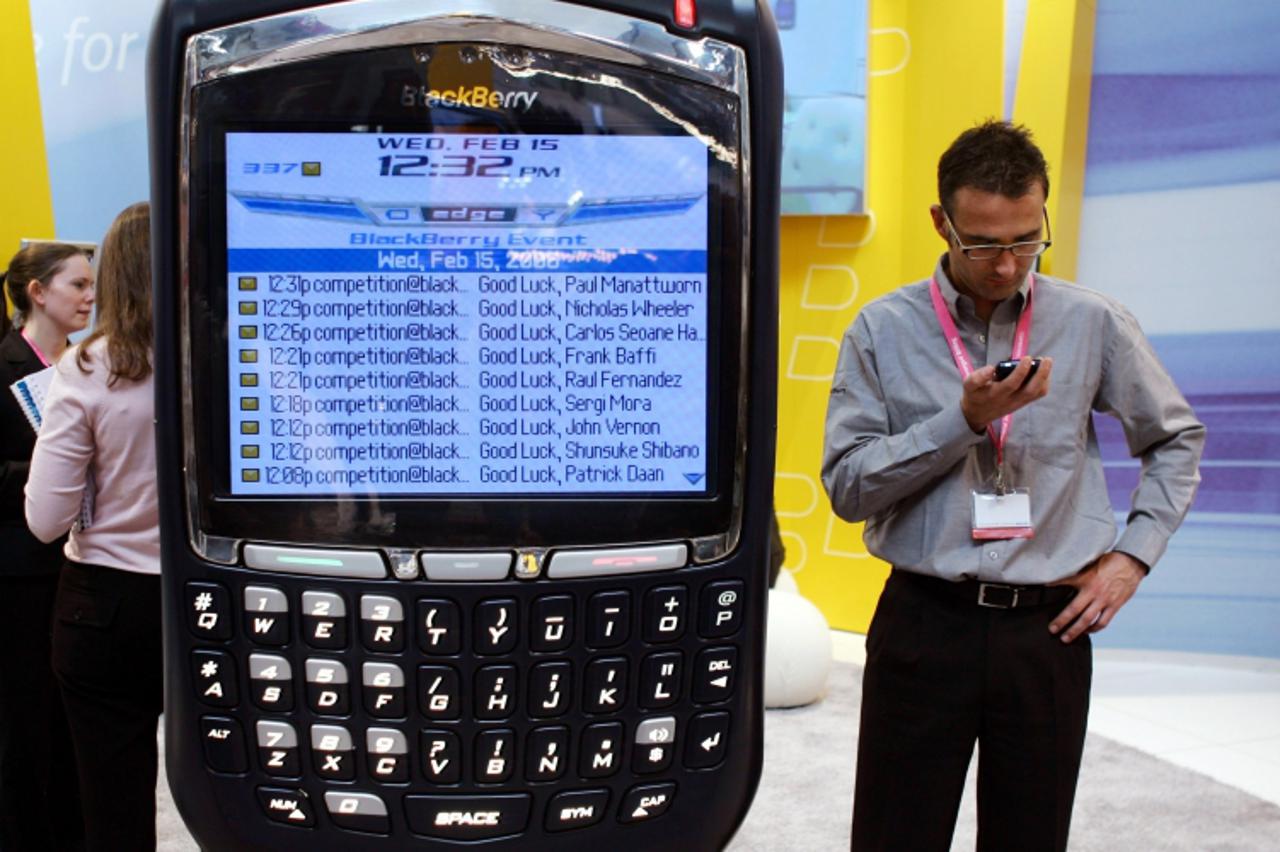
(466, 96)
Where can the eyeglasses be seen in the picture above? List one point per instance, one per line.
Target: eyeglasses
(990, 251)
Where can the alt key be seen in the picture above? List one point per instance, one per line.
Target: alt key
(224, 747)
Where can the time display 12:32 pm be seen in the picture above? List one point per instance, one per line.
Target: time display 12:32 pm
(444, 165)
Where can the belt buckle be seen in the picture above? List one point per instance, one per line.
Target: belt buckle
(1006, 603)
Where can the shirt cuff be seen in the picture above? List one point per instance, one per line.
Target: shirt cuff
(1143, 541)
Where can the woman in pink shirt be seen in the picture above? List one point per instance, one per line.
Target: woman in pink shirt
(93, 473)
(51, 288)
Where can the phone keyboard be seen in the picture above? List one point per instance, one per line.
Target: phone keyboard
(469, 714)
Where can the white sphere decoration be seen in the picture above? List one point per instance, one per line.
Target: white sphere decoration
(786, 582)
(797, 657)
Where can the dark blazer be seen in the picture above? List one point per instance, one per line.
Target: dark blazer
(21, 553)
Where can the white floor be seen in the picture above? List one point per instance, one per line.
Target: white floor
(1217, 715)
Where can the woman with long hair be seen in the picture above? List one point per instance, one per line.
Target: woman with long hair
(51, 288)
(98, 438)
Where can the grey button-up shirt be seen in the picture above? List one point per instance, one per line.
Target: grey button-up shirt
(900, 456)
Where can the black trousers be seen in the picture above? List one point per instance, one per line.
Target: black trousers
(943, 673)
(39, 793)
(107, 656)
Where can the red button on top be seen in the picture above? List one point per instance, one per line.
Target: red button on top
(686, 14)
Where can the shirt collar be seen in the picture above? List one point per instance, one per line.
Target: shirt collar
(952, 296)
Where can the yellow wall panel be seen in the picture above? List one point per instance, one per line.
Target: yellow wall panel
(24, 172)
(1052, 98)
(936, 69)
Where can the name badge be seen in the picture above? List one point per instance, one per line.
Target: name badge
(999, 516)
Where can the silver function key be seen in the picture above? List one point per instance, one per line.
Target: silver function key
(276, 734)
(656, 730)
(621, 560)
(381, 675)
(269, 667)
(386, 741)
(654, 744)
(466, 567)
(363, 804)
(323, 605)
(388, 754)
(265, 599)
(380, 608)
(358, 811)
(331, 738)
(363, 564)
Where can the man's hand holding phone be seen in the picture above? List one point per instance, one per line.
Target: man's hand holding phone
(989, 397)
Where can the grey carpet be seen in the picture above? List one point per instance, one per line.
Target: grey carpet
(1127, 800)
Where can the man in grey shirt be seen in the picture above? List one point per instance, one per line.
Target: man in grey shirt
(987, 497)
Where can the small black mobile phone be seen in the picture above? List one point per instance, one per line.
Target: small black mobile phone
(1004, 369)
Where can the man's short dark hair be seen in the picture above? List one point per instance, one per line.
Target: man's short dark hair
(995, 156)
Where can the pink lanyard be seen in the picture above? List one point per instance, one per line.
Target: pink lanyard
(1021, 340)
(35, 349)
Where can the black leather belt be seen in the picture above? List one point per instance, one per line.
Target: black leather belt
(993, 595)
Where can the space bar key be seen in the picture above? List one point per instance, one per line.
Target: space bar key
(467, 817)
